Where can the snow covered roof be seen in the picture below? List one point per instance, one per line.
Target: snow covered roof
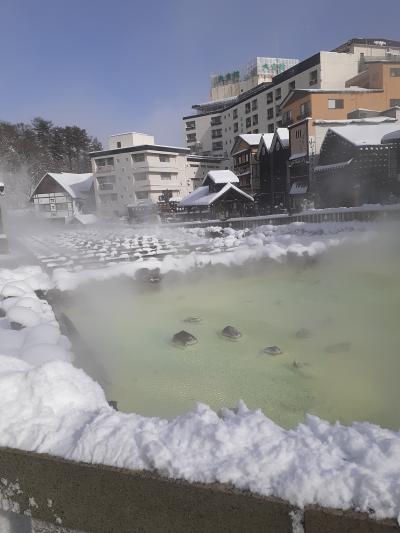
(76, 185)
(344, 122)
(365, 134)
(267, 138)
(283, 134)
(392, 136)
(221, 176)
(333, 166)
(251, 138)
(202, 197)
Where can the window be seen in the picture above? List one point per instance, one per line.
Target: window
(106, 161)
(271, 128)
(395, 102)
(270, 97)
(278, 93)
(248, 122)
(166, 177)
(191, 125)
(270, 113)
(105, 179)
(164, 158)
(142, 195)
(215, 121)
(336, 104)
(277, 111)
(217, 145)
(292, 85)
(254, 105)
(118, 144)
(215, 134)
(106, 186)
(255, 120)
(305, 110)
(191, 137)
(235, 127)
(138, 158)
(235, 113)
(313, 77)
(395, 72)
(287, 117)
(141, 177)
(247, 108)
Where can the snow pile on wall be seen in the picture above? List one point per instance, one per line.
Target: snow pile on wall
(233, 247)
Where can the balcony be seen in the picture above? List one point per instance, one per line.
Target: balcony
(104, 168)
(191, 127)
(302, 116)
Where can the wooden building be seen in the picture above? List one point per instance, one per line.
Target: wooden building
(219, 196)
(60, 196)
(245, 165)
(272, 155)
(359, 164)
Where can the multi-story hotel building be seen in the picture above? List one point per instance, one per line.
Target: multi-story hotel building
(213, 129)
(134, 169)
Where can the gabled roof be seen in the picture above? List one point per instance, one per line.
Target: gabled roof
(76, 185)
(283, 135)
(221, 176)
(266, 140)
(365, 134)
(250, 139)
(202, 197)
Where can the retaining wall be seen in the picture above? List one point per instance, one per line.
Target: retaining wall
(100, 499)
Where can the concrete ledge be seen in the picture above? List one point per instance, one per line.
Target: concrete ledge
(97, 498)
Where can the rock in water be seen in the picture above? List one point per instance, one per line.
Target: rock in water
(339, 347)
(183, 338)
(273, 350)
(231, 333)
(192, 319)
(303, 333)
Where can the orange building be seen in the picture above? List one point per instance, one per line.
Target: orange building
(375, 88)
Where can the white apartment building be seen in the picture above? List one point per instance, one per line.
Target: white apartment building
(135, 169)
(213, 129)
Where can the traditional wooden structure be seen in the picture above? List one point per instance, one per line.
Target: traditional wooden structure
(359, 164)
(272, 155)
(60, 196)
(245, 165)
(219, 196)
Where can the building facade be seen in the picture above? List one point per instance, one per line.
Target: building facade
(245, 164)
(135, 169)
(359, 164)
(214, 127)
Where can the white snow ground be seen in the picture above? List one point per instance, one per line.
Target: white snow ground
(50, 406)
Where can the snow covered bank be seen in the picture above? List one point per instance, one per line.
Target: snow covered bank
(194, 248)
(50, 406)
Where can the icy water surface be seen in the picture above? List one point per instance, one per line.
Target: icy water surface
(344, 366)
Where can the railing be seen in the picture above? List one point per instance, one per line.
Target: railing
(342, 214)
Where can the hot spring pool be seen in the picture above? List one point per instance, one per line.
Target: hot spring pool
(349, 296)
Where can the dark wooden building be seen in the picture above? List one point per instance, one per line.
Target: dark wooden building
(359, 164)
(273, 155)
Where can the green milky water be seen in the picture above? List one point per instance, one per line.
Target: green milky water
(350, 296)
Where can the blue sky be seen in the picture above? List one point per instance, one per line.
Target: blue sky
(128, 65)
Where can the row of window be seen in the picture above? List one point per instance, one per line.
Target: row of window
(137, 158)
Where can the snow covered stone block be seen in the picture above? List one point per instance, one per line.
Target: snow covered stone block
(21, 317)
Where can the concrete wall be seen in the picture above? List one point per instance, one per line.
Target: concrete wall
(102, 499)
